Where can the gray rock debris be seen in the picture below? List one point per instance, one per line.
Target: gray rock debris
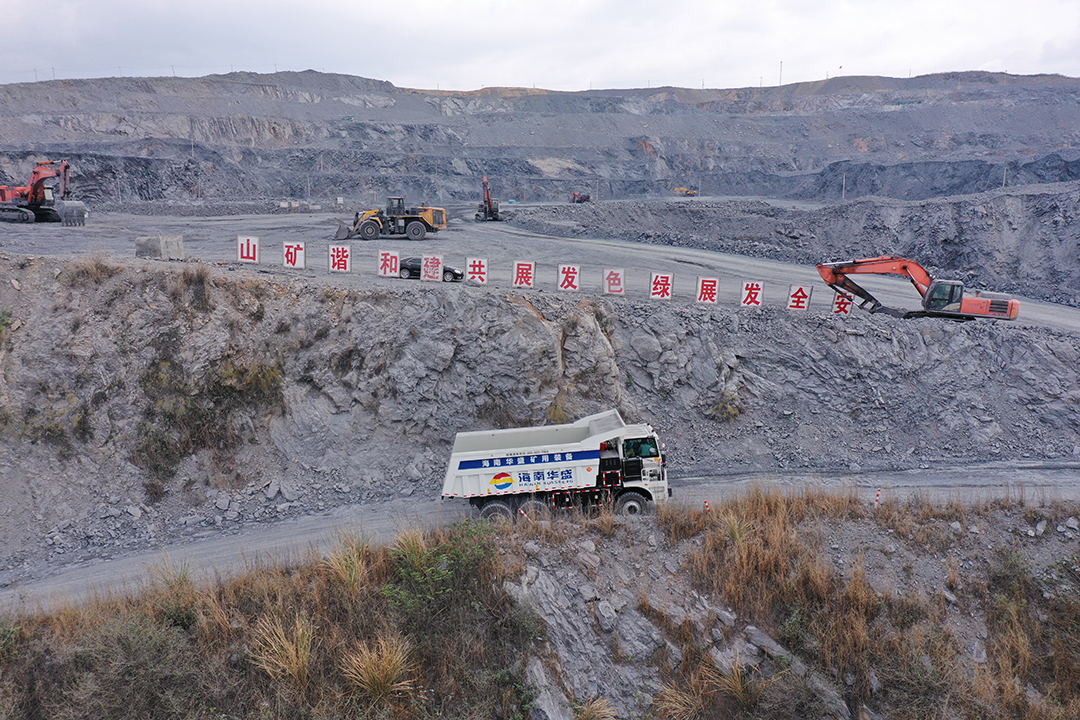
(605, 621)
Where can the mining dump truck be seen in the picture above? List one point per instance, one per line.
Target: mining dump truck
(414, 223)
(596, 461)
(44, 198)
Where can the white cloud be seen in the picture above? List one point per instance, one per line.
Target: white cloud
(554, 44)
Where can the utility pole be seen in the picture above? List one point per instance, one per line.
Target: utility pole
(781, 73)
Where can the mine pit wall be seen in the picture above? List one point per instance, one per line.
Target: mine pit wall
(160, 383)
(1025, 242)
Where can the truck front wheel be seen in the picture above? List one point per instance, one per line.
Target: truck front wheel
(631, 503)
(496, 510)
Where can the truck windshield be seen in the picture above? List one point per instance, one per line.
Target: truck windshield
(640, 447)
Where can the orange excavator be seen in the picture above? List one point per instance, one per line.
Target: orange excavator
(44, 198)
(489, 209)
(941, 298)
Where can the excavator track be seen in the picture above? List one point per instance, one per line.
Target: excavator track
(16, 214)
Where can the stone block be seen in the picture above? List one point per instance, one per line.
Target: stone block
(162, 247)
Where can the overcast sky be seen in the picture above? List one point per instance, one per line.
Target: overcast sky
(553, 44)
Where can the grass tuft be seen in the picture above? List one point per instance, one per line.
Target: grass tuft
(381, 671)
(597, 708)
(284, 651)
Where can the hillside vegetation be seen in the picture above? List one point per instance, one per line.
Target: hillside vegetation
(886, 609)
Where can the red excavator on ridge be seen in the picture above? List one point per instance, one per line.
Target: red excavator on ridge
(44, 198)
(941, 298)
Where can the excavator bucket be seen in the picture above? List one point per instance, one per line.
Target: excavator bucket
(71, 212)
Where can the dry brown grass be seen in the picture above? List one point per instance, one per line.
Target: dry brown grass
(597, 708)
(284, 650)
(382, 670)
(681, 522)
(743, 684)
(93, 270)
(691, 699)
(315, 638)
(759, 554)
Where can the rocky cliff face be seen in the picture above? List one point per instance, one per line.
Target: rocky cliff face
(1025, 241)
(142, 389)
(316, 136)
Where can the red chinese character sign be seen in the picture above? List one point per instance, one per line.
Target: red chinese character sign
(706, 289)
(293, 254)
(476, 270)
(431, 268)
(340, 259)
(614, 281)
(389, 264)
(247, 249)
(524, 274)
(751, 294)
(569, 278)
(660, 286)
(798, 297)
(841, 304)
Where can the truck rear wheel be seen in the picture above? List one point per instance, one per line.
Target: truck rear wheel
(498, 510)
(415, 230)
(535, 509)
(631, 503)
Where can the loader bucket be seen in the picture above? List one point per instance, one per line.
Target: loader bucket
(344, 232)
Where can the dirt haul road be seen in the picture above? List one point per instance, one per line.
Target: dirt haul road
(214, 556)
(213, 240)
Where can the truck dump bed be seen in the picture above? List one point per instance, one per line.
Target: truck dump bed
(609, 422)
(516, 460)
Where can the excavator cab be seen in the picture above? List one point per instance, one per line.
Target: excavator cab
(395, 206)
(944, 295)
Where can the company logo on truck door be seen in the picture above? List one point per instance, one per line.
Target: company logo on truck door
(501, 481)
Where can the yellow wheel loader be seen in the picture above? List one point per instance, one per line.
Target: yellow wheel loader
(414, 223)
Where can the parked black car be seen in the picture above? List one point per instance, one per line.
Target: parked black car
(410, 268)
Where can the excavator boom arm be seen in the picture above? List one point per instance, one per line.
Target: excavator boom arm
(836, 273)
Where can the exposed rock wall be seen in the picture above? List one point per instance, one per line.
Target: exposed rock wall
(316, 136)
(162, 384)
(1025, 242)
